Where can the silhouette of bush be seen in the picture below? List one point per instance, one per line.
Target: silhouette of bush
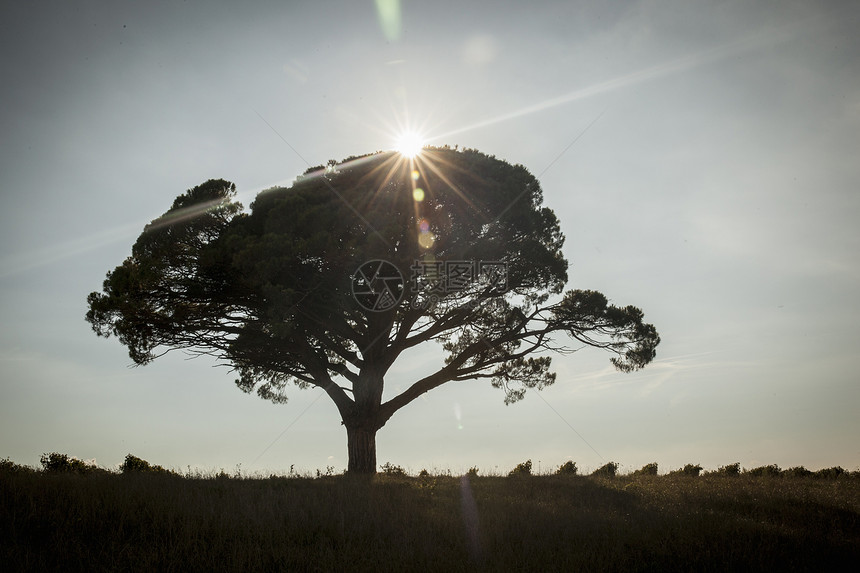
(7, 466)
(427, 483)
(523, 469)
(647, 470)
(830, 473)
(134, 464)
(473, 472)
(390, 469)
(689, 470)
(798, 471)
(329, 471)
(607, 470)
(765, 471)
(63, 463)
(568, 468)
(728, 470)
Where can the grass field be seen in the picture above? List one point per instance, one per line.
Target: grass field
(145, 521)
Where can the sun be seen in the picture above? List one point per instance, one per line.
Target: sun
(409, 144)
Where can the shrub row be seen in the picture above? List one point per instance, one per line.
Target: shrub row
(691, 470)
(57, 463)
(62, 463)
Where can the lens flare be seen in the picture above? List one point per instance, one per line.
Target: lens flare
(418, 194)
(409, 144)
(426, 239)
(390, 20)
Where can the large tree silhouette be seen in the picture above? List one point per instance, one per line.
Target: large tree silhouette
(327, 282)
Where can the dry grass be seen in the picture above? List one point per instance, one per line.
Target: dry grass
(109, 522)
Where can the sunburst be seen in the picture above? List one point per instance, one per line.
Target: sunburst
(409, 144)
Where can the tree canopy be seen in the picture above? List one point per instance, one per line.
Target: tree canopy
(325, 283)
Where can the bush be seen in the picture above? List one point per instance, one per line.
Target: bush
(134, 464)
(427, 483)
(390, 469)
(568, 468)
(798, 471)
(647, 470)
(765, 471)
(607, 470)
(771, 470)
(690, 470)
(523, 469)
(473, 472)
(329, 471)
(62, 463)
(729, 470)
(7, 466)
(829, 473)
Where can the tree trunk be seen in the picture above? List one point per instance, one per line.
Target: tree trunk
(361, 445)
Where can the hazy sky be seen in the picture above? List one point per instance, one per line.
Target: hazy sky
(715, 183)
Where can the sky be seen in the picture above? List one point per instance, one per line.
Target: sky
(700, 155)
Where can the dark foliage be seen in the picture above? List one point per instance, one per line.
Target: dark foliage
(729, 470)
(797, 472)
(607, 470)
(63, 463)
(830, 473)
(393, 470)
(690, 470)
(9, 467)
(133, 464)
(647, 470)
(522, 469)
(568, 468)
(765, 471)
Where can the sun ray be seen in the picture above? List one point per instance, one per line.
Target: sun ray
(409, 144)
(668, 68)
(393, 163)
(428, 160)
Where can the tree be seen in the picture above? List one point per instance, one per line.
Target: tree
(327, 282)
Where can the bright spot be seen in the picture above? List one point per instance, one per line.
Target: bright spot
(426, 240)
(423, 225)
(418, 194)
(415, 175)
(409, 144)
